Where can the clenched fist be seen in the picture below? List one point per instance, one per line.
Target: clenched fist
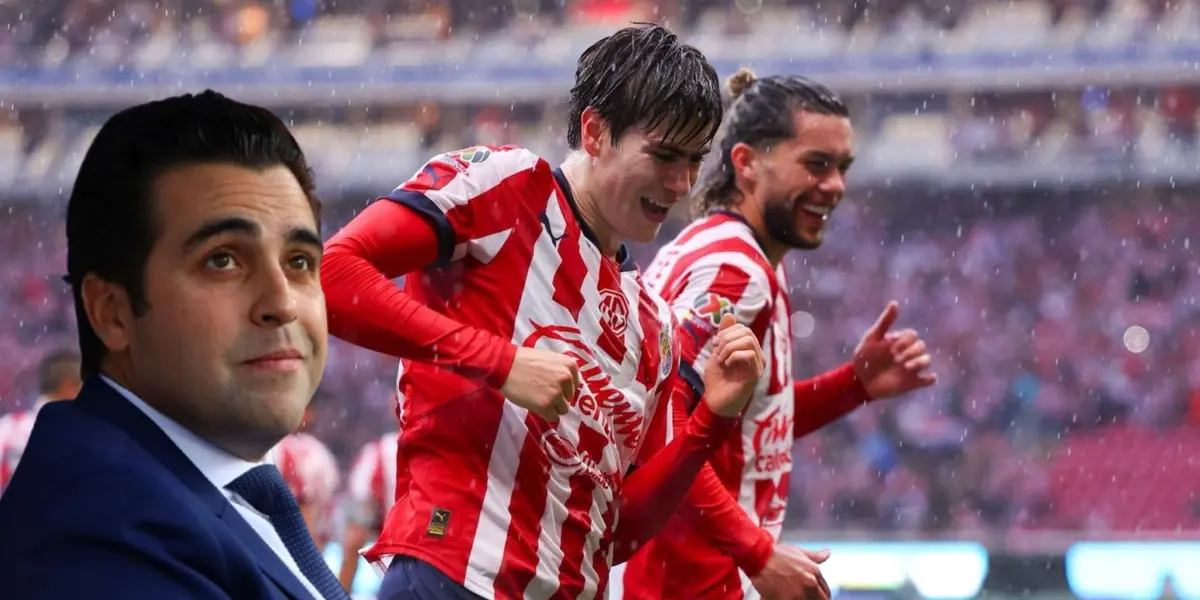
(733, 369)
(542, 382)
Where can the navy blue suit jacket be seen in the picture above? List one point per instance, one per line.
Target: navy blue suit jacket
(104, 505)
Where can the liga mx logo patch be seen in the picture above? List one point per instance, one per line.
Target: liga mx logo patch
(475, 155)
(711, 307)
(439, 521)
(665, 361)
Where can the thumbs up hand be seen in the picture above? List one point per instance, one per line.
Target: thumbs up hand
(891, 363)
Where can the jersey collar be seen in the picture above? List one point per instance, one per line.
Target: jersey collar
(623, 257)
(738, 216)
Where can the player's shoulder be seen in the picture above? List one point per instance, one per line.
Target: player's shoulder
(714, 241)
(717, 252)
(456, 177)
(484, 160)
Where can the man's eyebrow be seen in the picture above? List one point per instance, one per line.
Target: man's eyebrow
(305, 236)
(842, 163)
(217, 227)
(242, 226)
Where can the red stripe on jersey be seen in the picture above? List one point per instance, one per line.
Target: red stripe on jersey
(735, 245)
(579, 517)
(571, 269)
(701, 226)
(526, 507)
(614, 311)
(652, 338)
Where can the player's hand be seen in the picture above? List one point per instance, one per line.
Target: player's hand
(542, 382)
(793, 574)
(733, 369)
(891, 363)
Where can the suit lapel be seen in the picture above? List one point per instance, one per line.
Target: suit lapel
(268, 561)
(100, 399)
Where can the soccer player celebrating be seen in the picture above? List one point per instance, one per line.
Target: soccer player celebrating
(537, 368)
(782, 168)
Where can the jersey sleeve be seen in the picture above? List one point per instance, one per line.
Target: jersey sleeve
(707, 506)
(664, 475)
(366, 308)
(718, 284)
(469, 194)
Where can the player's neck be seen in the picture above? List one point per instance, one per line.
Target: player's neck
(575, 170)
(770, 247)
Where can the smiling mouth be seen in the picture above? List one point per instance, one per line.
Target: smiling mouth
(655, 210)
(821, 212)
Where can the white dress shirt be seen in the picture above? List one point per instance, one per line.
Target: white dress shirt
(220, 468)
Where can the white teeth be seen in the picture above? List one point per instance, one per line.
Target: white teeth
(657, 205)
(820, 211)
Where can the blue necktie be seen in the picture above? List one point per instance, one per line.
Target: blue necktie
(264, 488)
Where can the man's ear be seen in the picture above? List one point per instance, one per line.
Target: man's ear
(109, 311)
(594, 132)
(745, 160)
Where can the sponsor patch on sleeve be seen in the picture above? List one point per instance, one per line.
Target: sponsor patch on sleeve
(708, 309)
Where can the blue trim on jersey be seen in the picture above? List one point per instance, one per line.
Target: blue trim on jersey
(422, 205)
(623, 257)
(694, 381)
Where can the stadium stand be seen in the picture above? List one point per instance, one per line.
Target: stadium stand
(1026, 187)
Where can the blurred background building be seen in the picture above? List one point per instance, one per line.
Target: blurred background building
(1026, 188)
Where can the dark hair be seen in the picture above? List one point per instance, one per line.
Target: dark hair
(761, 112)
(111, 222)
(645, 75)
(57, 368)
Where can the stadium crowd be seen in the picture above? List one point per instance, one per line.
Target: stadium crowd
(1030, 314)
(79, 24)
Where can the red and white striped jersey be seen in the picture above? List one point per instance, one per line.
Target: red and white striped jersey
(15, 429)
(499, 499)
(371, 485)
(713, 267)
(311, 472)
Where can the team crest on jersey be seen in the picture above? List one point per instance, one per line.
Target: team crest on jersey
(614, 312)
(666, 361)
(710, 308)
(475, 155)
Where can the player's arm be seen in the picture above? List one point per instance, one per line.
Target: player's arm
(826, 398)
(709, 508)
(656, 488)
(447, 203)
(719, 285)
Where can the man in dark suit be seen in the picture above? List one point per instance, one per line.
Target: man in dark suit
(192, 254)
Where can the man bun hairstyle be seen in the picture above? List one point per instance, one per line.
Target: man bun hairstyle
(739, 81)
